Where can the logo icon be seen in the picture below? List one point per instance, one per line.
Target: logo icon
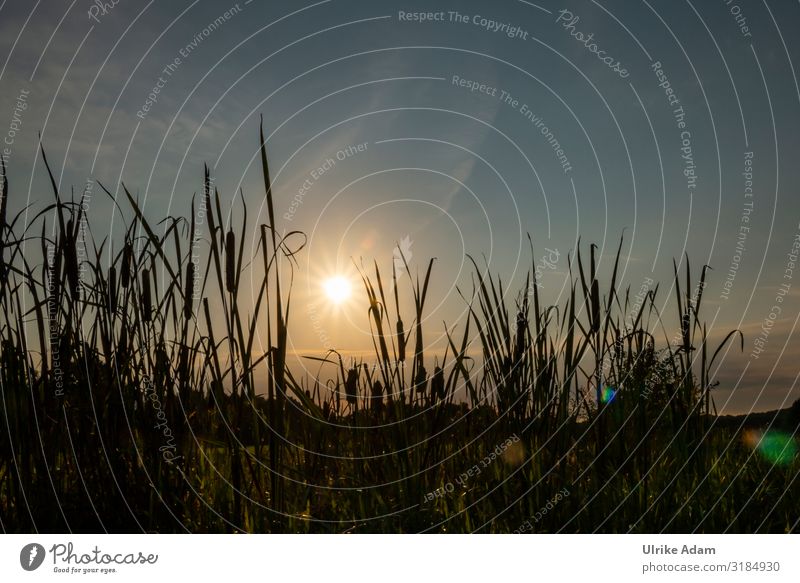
(31, 556)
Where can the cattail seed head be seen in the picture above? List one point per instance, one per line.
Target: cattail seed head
(147, 299)
(401, 341)
(188, 292)
(3, 195)
(207, 187)
(351, 386)
(377, 396)
(112, 290)
(127, 259)
(522, 325)
(421, 381)
(595, 306)
(230, 261)
(3, 212)
(122, 345)
(437, 383)
(162, 360)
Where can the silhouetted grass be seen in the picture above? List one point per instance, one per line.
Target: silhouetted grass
(129, 397)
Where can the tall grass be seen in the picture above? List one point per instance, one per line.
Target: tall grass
(129, 389)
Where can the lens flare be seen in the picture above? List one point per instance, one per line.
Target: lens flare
(608, 394)
(776, 447)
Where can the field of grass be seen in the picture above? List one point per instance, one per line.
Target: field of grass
(128, 375)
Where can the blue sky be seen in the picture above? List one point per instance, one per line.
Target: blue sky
(449, 170)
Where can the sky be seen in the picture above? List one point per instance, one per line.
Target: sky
(449, 129)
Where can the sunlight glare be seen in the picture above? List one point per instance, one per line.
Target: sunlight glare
(337, 289)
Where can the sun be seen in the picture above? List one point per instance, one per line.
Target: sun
(337, 289)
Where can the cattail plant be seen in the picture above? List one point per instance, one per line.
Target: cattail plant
(437, 384)
(3, 217)
(421, 380)
(127, 261)
(351, 386)
(147, 298)
(69, 244)
(522, 326)
(230, 261)
(112, 290)
(401, 341)
(377, 397)
(188, 290)
(252, 458)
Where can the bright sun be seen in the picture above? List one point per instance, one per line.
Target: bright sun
(337, 289)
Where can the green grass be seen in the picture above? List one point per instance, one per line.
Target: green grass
(129, 398)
